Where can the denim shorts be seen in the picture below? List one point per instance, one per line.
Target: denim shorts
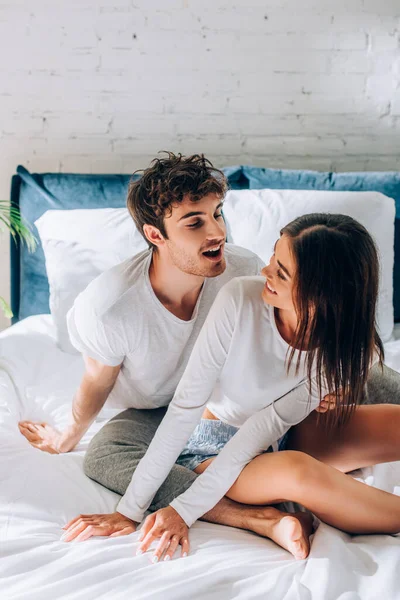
(208, 439)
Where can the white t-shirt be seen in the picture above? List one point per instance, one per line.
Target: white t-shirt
(119, 319)
(238, 368)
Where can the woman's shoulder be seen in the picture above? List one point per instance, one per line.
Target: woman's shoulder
(244, 289)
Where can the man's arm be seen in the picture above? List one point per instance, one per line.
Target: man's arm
(97, 382)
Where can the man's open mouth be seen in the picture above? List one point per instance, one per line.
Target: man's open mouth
(214, 253)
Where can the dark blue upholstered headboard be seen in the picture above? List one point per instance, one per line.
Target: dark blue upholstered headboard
(36, 193)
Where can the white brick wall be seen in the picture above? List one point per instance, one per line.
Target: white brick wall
(102, 85)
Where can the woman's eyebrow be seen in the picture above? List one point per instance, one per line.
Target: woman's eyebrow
(280, 264)
(283, 268)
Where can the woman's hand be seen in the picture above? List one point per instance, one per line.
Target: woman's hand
(328, 402)
(170, 527)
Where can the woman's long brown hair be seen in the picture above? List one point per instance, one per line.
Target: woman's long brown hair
(335, 294)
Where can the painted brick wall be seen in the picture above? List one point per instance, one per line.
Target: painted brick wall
(102, 85)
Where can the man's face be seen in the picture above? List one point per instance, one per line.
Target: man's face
(196, 236)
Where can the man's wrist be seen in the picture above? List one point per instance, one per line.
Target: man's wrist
(70, 437)
(77, 428)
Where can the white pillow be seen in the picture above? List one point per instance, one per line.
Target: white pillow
(255, 217)
(79, 245)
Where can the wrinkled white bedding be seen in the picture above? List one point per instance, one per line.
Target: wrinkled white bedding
(40, 492)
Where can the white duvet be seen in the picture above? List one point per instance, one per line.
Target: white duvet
(39, 493)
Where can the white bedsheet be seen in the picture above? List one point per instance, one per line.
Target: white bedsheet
(41, 492)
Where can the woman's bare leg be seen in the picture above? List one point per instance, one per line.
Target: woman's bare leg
(335, 498)
(370, 437)
(291, 531)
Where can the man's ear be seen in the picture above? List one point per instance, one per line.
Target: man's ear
(153, 235)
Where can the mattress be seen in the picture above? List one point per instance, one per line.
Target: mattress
(41, 492)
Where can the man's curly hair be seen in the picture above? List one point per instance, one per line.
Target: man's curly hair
(166, 183)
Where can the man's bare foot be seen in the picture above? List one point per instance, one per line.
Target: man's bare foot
(291, 531)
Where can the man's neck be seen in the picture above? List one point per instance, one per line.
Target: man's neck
(176, 290)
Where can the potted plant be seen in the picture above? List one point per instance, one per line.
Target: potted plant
(10, 218)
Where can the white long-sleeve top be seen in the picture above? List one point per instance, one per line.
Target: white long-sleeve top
(238, 367)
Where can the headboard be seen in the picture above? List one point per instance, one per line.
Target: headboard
(36, 193)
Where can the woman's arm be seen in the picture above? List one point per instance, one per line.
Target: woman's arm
(197, 383)
(259, 431)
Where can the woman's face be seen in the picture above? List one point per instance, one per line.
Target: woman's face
(279, 275)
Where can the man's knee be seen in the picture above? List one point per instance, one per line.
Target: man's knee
(383, 386)
(111, 469)
(89, 464)
(178, 481)
(123, 440)
(116, 450)
(96, 449)
(107, 460)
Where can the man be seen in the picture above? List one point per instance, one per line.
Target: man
(136, 325)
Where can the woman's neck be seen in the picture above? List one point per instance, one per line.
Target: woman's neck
(286, 322)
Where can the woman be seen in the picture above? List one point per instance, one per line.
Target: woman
(270, 350)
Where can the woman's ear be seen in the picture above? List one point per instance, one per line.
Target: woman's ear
(153, 235)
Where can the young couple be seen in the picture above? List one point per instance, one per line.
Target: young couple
(262, 369)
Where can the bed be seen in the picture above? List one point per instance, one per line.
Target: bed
(41, 492)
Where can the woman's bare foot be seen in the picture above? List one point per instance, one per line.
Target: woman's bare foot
(291, 531)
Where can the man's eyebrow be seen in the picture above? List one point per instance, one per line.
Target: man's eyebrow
(190, 214)
(196, 213)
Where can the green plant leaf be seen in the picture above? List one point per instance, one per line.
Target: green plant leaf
(11, 219)
(5, 308)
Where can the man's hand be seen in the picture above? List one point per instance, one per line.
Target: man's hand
(46, 438)
(41, 436)
(85, 526)
(170, 527)
(94, 389)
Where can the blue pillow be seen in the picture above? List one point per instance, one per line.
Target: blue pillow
(386, 182)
